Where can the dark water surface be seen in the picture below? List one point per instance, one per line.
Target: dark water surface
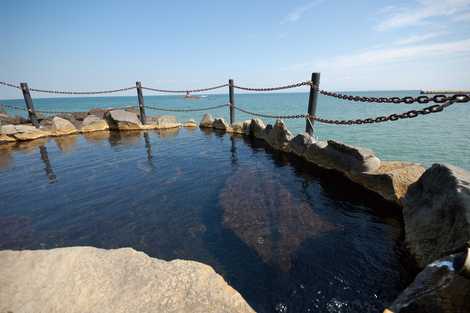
(288, 236)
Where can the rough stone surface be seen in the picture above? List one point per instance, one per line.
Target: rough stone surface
(190, 123)
(123, 120)
(257, 128)
(221, 124)
(31, 135)
(93, 123)
(391, 180)
(441, 287)
(437, 213)
(101, 113)
(85, 279)
(278, 136)
(6, 138)
(206, 121)
(61, 126)
(299, 144)
(7, 119)
(165, 122)
(23, 132)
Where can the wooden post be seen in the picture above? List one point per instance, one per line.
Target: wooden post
(231, 98)
(312, 101)
(29, 104)
(141, 102)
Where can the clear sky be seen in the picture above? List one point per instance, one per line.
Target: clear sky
(356, 45)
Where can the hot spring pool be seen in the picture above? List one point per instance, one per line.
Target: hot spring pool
(288, 236)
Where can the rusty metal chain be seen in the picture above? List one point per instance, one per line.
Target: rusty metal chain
(440, 98)
(186, 91)
(9, 85)
(300, 84)
(81, 92)
(392, 117)
(186, 110)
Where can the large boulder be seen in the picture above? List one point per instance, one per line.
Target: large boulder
(299, 144)
(278, 136)
(93, 123)
(165, 122)
(190, 123)
(85, 279)
(437, 213)
(220, 124)
(101, 113)
(342, 157)
(207, 121)
(242, 128)
(442, 287)
(391, 180)
(257, 128)
(123, 120)
(23, 132)
(61, 126)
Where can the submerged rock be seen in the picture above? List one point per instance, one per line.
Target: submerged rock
(93, 123)
(85, 279)
(123, 120)
(278, 136)
(442, 287)
(62, 126)
(437, 213)
(391, 180)
(220, 124)
(207, 121)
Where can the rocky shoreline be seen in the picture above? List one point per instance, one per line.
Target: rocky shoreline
(435, 202)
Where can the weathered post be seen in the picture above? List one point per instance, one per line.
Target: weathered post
(141, 102)
(29, 104)
(312, 101)
(231, 98)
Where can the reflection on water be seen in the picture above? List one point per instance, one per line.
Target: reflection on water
(287, 235)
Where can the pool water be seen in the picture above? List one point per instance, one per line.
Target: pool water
(287, 235)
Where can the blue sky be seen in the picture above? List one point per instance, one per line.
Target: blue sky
(356, 45)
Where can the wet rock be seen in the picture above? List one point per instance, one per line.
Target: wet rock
(437, 213)
(278, 136)
(342, 157)
(85, 279)
(391, 180)
(23, 132)
(123, 120)
(6, 138)
(441, 287)
(300, 143)
(166, 122)
(206, 121)
(242, 128)
(93, 123)
(221, 124)
(61, 126)
(257, 128)
(190, 123)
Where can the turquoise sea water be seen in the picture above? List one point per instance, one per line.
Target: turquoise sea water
(435, 138)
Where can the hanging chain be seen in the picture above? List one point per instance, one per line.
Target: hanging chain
(186, 110)
(186, 91)
(9, 85)
(274, 88)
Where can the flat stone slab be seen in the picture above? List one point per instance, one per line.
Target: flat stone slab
(86, 279)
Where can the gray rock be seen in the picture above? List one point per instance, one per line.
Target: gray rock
(221, 124)
(90, 119)
(206, 121)
(166, 122)
(437, 213)
(101, 113)
(257, 128)
(278, 136)
(242, 128)
(441, 287)
(300, 143)
(123, 120)
(85, 279)
(14, 129)
(93, 123)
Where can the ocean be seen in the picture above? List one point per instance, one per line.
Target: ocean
(435, 138)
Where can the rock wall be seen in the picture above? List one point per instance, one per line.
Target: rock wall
(85, 279)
